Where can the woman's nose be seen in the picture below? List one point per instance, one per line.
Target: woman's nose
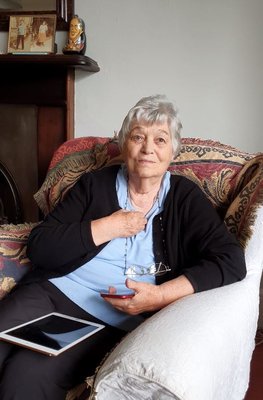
(147, 146)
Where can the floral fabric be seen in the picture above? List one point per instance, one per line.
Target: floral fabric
(14, 263)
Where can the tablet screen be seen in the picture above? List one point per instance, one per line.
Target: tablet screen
(52, 333)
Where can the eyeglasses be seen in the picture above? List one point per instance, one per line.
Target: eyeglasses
(156, 269)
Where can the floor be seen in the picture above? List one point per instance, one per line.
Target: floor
(255, 391)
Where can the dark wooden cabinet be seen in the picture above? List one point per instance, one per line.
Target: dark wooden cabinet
(45, 82)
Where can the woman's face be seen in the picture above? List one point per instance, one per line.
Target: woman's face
(148, 150)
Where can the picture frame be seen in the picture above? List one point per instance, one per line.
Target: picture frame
(32, 34)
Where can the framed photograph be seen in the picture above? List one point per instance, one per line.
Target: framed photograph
(32, 34)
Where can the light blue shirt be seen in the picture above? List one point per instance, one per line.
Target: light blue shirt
(83, 286)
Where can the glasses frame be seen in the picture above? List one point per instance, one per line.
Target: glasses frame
(156, 269)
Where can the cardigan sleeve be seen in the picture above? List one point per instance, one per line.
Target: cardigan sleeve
(63, 241)
(65, 234)
(199, 244)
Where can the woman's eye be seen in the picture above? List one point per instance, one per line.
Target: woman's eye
(161, 140)
(137, 138)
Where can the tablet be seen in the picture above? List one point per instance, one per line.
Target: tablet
(51, 334)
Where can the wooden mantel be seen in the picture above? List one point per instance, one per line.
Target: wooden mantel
(45, 82)
(55, 60)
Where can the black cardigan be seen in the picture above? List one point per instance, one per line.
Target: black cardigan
(188, 235)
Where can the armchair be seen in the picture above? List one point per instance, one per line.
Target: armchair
(200, 347)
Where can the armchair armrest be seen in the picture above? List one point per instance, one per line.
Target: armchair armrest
(197, 348)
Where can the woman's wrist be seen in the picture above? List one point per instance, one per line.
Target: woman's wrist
(101, 230)
(175, 289)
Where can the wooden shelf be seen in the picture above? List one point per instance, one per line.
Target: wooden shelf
(56, 60)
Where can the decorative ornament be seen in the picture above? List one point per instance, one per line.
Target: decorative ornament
(76, 37)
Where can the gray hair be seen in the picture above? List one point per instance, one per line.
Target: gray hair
(153, 109)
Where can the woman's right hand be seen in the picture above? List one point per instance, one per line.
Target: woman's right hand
(121, 223)
(128, 223)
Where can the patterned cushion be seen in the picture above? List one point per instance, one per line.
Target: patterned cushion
(231, 179)
(14, 263)
(70, 161)
(212, 165)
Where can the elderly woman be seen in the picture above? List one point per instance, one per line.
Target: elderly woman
(131, 229)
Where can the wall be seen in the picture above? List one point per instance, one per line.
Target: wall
(204, 54)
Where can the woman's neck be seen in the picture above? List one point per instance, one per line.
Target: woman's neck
(143, 195)
(144, 186)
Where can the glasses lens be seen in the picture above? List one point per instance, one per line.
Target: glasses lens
(154, 269)
(135, 270)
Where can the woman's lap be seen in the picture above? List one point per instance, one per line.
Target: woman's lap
(30, 369)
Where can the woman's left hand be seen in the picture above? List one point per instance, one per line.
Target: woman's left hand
(149, 297)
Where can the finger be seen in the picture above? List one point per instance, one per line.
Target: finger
(132, 284)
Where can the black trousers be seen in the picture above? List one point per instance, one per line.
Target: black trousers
(29, 375)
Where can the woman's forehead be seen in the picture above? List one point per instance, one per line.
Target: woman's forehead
(154, 126)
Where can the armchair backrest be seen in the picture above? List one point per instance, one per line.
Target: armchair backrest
(231, 179)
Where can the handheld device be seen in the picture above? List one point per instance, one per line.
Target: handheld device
(128, 295)
(51, 334)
